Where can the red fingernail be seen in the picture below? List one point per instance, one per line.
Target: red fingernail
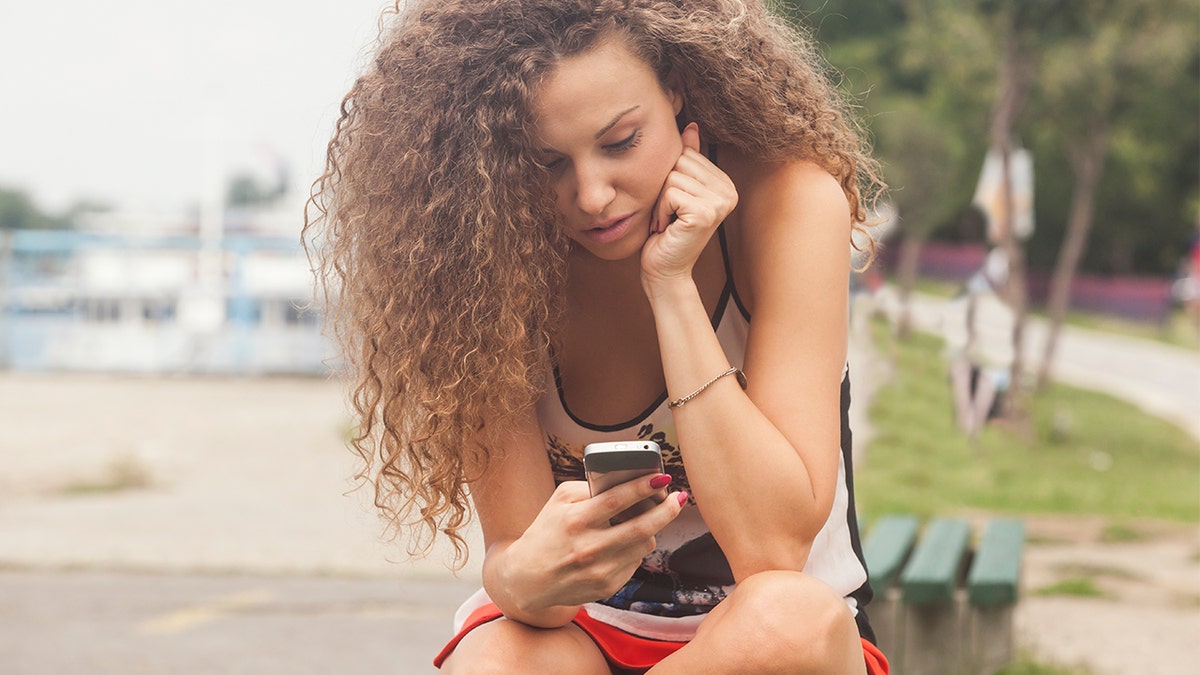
(683, 497)
(660, 481)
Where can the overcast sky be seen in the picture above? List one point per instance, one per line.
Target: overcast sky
(134, 102)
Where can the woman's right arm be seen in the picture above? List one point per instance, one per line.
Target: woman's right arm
(550, 550)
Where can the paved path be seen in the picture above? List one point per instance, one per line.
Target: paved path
(1161, 379)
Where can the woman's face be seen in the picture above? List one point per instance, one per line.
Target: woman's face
(606, 130)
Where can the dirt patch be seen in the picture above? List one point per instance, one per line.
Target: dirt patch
(1141, 609)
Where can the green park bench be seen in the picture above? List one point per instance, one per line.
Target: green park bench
(943, 600)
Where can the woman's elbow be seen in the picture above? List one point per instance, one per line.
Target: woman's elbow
(769, 552)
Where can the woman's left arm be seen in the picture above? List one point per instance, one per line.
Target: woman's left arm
(763, 463)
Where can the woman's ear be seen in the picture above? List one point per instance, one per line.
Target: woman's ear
(674, 88)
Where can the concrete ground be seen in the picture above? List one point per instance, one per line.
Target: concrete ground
(84, 621)
(215, 509)
(206, 525)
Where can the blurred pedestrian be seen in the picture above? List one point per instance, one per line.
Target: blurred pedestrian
(977, 327)
(1186, 289)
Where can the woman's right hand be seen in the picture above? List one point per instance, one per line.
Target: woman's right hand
(570, 554)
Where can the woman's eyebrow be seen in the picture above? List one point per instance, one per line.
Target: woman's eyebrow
(614, 121)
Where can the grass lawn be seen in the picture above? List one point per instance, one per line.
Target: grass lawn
(1084, 453)
(1027, 666)
(1178, 330)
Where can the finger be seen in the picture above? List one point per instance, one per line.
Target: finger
(620, 497)
(697, 182)
(665, 208)
(691, 136)
(667, 204)
(694, 163)
(696, 205)
(650, 523)
(678, 191)
(571, 491)
(687, 188)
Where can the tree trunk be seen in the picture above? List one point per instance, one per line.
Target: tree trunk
(1088, 163)
(1016, 79)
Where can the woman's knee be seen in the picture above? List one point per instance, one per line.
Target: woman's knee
(504, 646)
(795, 618)
(799, 595)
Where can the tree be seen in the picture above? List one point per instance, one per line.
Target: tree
(924, 115)
(941, 57)
(18, 212)
(929, 128)
(246, 189)
(1017, 22)
(1091, 79)
(925, 185)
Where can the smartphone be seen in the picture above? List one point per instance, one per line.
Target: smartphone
(615, 462)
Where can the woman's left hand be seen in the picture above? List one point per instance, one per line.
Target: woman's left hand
(699, 196)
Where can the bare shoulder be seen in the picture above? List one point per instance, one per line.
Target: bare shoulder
(790, 192)
(790, 214)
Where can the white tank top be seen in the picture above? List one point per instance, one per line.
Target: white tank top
(687, 574)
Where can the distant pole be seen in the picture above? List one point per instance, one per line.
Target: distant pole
(212, 206)
(202, 305)
(6, 293)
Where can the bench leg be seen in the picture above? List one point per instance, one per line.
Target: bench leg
(885, 616)
(933, 639)
(991, 638)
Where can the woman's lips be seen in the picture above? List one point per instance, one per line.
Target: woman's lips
(609, 231)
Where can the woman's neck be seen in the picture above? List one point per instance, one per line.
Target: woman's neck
(592, 281)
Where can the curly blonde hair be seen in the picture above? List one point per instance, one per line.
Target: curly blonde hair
(433, 227)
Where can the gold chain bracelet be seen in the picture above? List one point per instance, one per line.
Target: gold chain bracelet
(741, 378)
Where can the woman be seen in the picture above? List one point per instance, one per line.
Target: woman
(550, 222)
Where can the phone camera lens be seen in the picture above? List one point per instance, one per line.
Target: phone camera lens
(645, 447)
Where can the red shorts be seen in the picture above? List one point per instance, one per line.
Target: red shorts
(625, 650)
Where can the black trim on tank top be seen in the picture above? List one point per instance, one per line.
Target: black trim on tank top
(864, 593)
(737, 298)
(715, 320)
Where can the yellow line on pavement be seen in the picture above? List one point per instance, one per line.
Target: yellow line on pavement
(188, 618)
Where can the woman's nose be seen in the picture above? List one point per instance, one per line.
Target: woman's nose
(594, 190)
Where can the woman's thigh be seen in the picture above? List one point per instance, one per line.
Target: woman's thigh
(504, 646)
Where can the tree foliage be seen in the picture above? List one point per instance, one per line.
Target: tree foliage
(924, 73)
(1127, 71)
(245, 189)
(18, 212)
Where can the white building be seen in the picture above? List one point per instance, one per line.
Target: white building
(131, 294)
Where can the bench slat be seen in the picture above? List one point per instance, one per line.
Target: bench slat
(996, 570)
(932, 574)
(887, 547)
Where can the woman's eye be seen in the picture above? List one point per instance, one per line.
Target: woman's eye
(626, 143)
(552, 164)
